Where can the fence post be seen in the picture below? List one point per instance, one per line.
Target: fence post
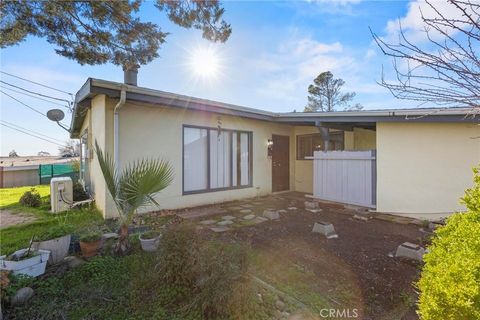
(39, 174)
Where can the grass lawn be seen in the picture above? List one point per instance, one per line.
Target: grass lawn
(10, 196)
(18, 236)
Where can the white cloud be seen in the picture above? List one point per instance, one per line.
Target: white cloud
(296, 62)
(412, 23)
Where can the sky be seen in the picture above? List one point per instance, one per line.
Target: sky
(275, 51)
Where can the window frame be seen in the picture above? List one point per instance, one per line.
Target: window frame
(84, 174)
(311, 135)
(209, 189)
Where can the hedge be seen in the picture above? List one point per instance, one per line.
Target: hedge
(450, 280)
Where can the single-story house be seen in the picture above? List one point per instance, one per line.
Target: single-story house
(420, 160)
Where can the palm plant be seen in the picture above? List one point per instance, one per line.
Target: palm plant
(133, 187)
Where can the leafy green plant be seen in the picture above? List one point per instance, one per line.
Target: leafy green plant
(31, 198)
(79, 193)
(56, 231)
(472, 195)
(178, 256)
(449, 283)
(133, 187)
(90, 236)
(13, 283)
(75, 165)
(149, 235)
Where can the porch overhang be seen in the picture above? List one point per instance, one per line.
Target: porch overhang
(343, 120)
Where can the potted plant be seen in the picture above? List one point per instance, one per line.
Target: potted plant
(28, 261)
(56, 240)
(90, 243)
(149, 240)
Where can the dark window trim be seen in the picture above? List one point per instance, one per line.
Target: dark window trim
(297, 157)
(250, 159)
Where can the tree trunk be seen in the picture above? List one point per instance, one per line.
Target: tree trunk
(123, 245)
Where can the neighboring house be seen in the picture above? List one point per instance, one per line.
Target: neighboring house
(222, 152)
(24, 171)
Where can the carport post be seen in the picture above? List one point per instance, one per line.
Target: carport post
(325, 133)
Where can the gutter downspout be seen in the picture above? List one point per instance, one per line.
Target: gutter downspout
(121, 102)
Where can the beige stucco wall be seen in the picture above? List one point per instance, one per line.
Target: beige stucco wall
(99, 123)
(19, 177)
(152, 131)
(303, 168)
(364, 139)
(425, 167)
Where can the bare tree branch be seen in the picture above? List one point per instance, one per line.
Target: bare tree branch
(446, 70)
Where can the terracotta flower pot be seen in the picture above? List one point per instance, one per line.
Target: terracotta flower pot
(89, 249)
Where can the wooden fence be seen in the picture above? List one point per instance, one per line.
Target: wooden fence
(345, 176)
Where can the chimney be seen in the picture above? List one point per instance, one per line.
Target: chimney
(130, 75)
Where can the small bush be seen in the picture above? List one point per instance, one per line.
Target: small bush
(449, 283)
(224, 287)
(212, 274)
(178, 256)
(31, 198)
(472, 195)
(79, 193)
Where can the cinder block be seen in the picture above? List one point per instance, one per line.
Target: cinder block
(410, 251)
(325, 228)
(311, 205)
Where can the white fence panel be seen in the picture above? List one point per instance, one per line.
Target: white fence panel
(345, 176)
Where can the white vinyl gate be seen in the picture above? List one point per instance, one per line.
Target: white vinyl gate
(345, 176)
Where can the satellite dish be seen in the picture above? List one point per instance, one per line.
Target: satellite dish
(55, 115)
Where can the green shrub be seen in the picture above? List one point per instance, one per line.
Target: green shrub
(211, 275)
(79, 193)
(31, 198)
(56, 232)
(178, 255)
(224, 288)
(90, 236)
(472, 195)
(450, 280)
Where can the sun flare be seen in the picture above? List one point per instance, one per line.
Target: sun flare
(205, 62)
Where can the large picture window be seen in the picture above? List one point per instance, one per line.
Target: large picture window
(308, 143)
(216, 159)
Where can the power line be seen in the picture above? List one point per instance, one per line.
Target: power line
(32, 135)
(33, 92)
(33, 96)
(34, 132)
(39, 84)
(24, 104)
(32, 108)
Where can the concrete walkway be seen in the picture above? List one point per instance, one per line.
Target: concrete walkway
(8, 218)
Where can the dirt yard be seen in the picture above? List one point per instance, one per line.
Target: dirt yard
(352, 272)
